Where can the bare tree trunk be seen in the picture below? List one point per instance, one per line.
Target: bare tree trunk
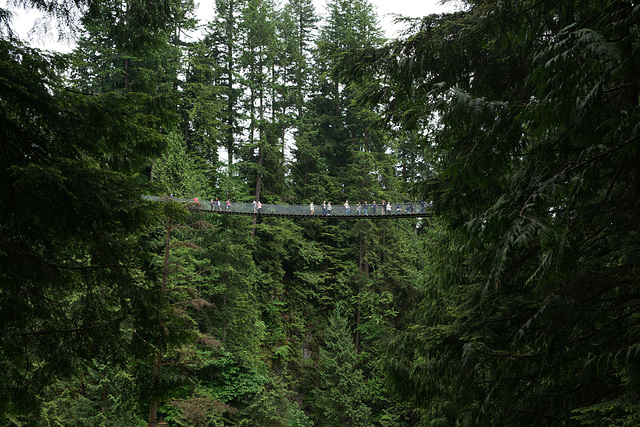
(259, 175)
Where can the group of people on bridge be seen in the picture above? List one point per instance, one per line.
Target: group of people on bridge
(386, 208)
(215, 204)
(361, 209)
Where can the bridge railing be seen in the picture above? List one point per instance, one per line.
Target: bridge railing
(286, 209)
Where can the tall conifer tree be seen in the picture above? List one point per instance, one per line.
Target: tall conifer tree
(257, 62)
(343, 131)
(224, 34)
(536, 179)
(75, 282)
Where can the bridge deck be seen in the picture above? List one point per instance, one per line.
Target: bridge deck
(399, 210)
(333, 215)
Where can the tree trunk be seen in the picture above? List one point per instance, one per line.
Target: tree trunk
(153, 161)
(226, 277)
(157, 362)
(361, 263)
(153, 406)
(337, 96)
(230, 104)
(165, 265)
(127, 82)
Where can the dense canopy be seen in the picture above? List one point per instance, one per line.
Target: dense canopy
(515, 301)
(534, 295)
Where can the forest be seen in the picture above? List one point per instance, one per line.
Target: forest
(514, 301)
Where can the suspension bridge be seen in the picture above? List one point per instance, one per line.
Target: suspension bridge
(398, 210)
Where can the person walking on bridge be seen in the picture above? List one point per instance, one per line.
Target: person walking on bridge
(229, 205)
(328, 208)
(311, 208)
(410, 208)
(347, 210)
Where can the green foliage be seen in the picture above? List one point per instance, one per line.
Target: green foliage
(75, 282)
(118, 309)
(529, 308)
(274, 406)
(201, 408)
(180, 172)
(223, 37)
(201, 107)
(231, 380)
(101, 396)
(340, 393)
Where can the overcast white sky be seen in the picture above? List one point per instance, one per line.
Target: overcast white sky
(23, 20)
(409, 8)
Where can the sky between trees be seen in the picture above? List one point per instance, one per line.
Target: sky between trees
(24, 20)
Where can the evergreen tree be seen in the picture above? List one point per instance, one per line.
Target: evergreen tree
(339, 397)
(257, 61)
(275, 406)
(200, 101)
(184, 277)
(75, 281)
(180, 172)
(100, 395)
(223, 39)
(131, 46)
(536, 184)
(346, 138)
(297, 28)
